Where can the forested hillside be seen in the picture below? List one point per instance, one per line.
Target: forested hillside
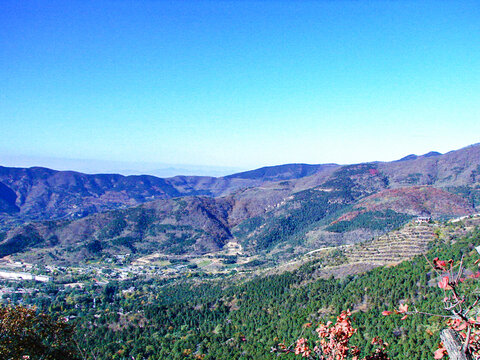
(247, 317)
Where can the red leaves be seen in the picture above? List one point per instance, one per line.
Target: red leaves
(456, 301)
(474, 320)
(461, 326)
(440, 352)
(444, 283)
(378, 341)
(334, 342)
(302, 348)
(402, 309)
(476, 275)
(439, 264)
(334, 338)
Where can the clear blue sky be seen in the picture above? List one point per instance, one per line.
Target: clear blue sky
(237, 83)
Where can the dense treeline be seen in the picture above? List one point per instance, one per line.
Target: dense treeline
(374, 220)
(307, 209)
(469, 192)
(315, 207)
(245, 319)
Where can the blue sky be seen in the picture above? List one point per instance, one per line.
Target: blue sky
(235, 84)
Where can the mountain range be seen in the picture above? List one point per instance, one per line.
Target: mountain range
(276, 212)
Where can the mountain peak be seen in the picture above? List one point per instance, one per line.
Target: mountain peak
(409, 157)
(431, 153)
(414, 156)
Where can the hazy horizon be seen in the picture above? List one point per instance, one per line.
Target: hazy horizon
(94, 166)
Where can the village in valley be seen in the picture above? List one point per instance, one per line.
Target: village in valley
(19, 279)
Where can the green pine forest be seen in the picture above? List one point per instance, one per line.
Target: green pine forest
(246, 318)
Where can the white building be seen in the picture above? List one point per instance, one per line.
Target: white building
(23, 276)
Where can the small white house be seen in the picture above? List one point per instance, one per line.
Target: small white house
(423, 219)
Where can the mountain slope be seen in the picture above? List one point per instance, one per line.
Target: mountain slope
(191, 225)
(7, 200)
(309, 207)
(282, 172)
(48, 194)
(455, 168)
(414, 201)
(40, 193)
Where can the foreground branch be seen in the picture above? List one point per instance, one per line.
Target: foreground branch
(453, 345)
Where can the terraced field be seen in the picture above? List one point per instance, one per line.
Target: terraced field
(388, 249)
(411, 240)
(394, 246)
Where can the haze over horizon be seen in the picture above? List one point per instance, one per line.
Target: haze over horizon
(92, 166)
(229, 86)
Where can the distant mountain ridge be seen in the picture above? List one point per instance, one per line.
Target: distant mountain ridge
(43, 193)
(413, 156)
(281, 172)
(273, 210)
